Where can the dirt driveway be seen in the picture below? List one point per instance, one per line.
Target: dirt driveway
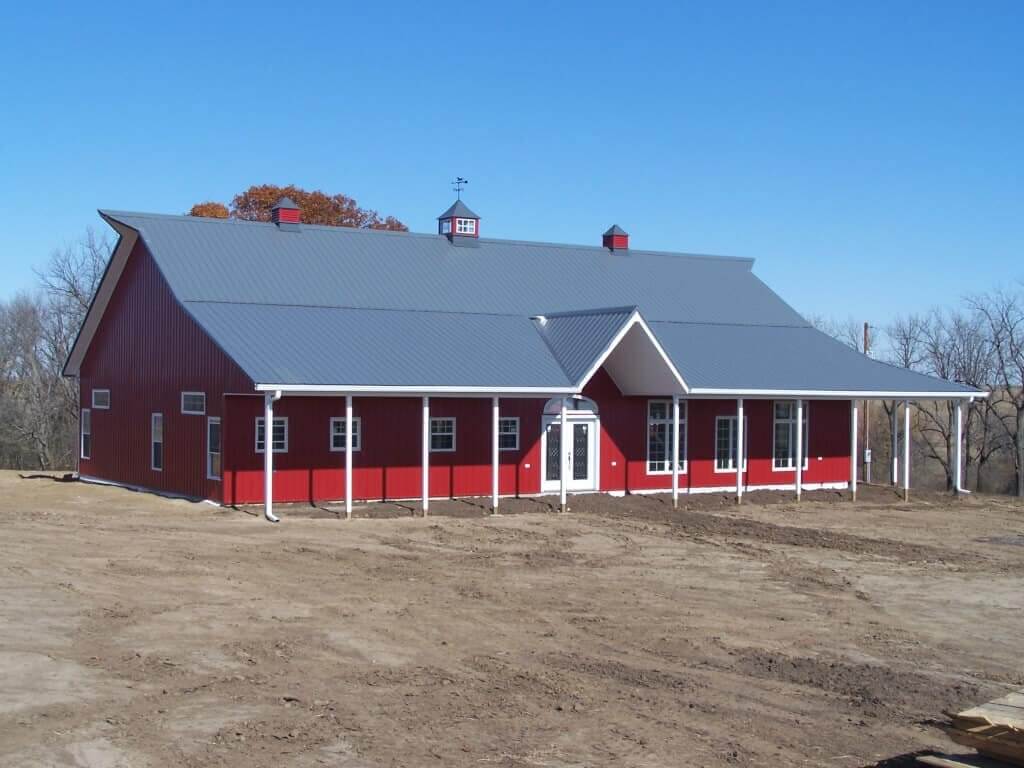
(139, 631)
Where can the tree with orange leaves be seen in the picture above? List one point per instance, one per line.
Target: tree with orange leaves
(317, 207)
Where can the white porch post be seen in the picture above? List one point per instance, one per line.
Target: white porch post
(268, 456)
(853, 449)
(426, 456)
(799, 448)
(495, 449)
(894, 425)
(739, 450)
(958, 472)
(906, 450)
(675, 450)
(348, 457)
(563, 449)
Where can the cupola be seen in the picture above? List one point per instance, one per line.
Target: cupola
(285, 214)
(615, 239)
(459, 224)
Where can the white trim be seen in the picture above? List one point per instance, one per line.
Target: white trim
(468, 226)
(82, 453)
(837, 486)
(108, 283)
(496, 449)
(634, 319)
(732, 446)
(349, 450)
(500, 433)
(422, 391)
(684, 429)
(442, 434)
(824, 394)
(211, 420)
(193, 412)
(593, 482)
(357, 433)
(806, 431)
(425, 457)
(153, 442)
(256, 435)
(97, 407)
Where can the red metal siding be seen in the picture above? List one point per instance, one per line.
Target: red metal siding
(146, 351)
(388, 464)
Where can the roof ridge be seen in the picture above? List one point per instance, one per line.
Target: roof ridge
(186, 218)
(352, 308)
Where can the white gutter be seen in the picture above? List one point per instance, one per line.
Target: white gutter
(409, 391)
(849, 394)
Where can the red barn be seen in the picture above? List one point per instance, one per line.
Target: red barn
(416, 366)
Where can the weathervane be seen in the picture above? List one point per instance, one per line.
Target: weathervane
(458, 184)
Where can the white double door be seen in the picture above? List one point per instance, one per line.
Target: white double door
(583, 447)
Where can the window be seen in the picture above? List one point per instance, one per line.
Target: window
(508, 433)
(784, 435)
(659, 436)
(156, 442)
(446, 227)
(193, 403)
(101, 399)
(86, 424)
(725, 443)
(338, 433)
(280, 437)
(465, 226)
(442, 434)
(213, 448)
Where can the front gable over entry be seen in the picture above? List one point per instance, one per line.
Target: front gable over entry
(619, 340)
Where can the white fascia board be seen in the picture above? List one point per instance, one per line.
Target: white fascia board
(825, 394)
(331, 389)
(125, 244)
(634, 319)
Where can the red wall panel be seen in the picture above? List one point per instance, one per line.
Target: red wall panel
(146, 351)
(388, 464)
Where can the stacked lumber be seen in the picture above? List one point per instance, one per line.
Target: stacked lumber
(995, 729)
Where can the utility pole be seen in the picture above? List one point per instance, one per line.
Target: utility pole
(867, 421)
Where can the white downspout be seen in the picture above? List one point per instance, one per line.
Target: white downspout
(958, 484)
(563, 450)
(268, 455)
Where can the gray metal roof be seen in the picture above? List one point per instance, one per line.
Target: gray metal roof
(615, 229)
(458, 208)
(284, 202)
(343, 306)
(577, 339)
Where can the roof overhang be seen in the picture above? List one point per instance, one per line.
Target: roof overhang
(332, 390)
(825, 394)
(127, 237)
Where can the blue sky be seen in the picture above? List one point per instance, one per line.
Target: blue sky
(869, 155)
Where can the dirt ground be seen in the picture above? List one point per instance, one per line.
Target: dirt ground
(141, 631)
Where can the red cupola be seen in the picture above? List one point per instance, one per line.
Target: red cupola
(286, 214)
(459, 224)
(615, 239)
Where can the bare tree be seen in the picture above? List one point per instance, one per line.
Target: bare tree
(906, 349)
(1003, 313)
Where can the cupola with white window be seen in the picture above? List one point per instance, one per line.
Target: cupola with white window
(459, 224)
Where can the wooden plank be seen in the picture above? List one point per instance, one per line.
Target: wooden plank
(991, 747)
(996, 713)
(960, 761)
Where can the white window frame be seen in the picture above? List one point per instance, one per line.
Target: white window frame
(465, 226)
(187, 412)
(790, 466)
(357, 434)
(85, 431)
(210, 421)
(434, 420)
(446, 226)
(153, 442)
(256, 434)
(501, 421)
(732, 444)
(96, 406)
(683, 453)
